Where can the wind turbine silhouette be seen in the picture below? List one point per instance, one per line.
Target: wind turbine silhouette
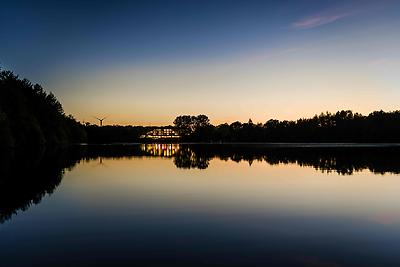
(100, 120)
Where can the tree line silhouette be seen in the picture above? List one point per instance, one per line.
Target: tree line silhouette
(114, 133)
(30, 116)
(342, 126)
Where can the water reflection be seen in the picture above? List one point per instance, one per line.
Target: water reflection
(344, 160)
(144, 205)
(188, 158)
(26, 177)
(161, 150)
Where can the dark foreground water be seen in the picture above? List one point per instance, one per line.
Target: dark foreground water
(201, 205)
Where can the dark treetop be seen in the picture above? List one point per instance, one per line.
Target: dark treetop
(30, 116)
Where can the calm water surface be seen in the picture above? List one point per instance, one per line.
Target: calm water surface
(181, 205)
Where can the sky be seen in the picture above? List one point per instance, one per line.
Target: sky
(146, 62)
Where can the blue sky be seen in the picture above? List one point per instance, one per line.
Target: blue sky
(145, 62)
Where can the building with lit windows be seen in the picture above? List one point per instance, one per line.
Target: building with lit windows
(162, 133)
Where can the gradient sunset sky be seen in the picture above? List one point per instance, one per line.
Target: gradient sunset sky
(145, 62)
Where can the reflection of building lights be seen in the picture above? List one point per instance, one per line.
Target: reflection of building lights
(162, 150)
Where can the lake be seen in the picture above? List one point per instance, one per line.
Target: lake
(201, 205)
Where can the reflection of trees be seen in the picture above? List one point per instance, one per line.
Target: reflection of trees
(186, 158)
(342, 160)
(26, 177)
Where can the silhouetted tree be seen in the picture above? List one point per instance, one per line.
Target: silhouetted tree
(184, 124)
(30, 116)
(188, 125)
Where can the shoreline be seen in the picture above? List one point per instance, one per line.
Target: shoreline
(258, 144)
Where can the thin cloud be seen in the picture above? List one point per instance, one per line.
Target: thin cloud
(318, 20)
(378, 62)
